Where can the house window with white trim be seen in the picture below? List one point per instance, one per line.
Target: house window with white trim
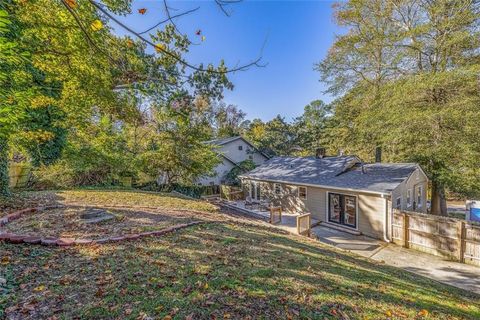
(278, 188)
(419, 197)
(398, 204)
(409, 198)
(302, 193)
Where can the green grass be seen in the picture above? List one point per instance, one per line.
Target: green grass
(108, 197)
(220, 270)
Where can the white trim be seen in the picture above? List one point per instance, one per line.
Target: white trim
(409, 198)
(356, 210)
(396, 203)
(317, 186)
(419, 187)
(306, 192)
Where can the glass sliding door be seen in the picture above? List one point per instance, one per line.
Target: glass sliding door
(350, 211)
(334, 208)
(342, 209)
(255, 190)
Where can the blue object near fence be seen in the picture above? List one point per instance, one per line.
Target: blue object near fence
(474, 214)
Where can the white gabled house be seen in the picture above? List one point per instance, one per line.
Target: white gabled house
(232, 151)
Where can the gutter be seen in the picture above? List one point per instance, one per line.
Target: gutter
(385, 220)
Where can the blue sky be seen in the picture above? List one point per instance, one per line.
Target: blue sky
(298, 34)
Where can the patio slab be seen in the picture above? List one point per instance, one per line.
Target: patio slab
(456, 274)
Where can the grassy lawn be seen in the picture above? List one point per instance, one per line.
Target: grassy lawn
(107, 198)
(222, 270)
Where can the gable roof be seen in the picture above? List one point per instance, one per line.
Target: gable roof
(342, 172)
(224, 141)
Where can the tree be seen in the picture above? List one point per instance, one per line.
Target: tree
(408, 70)
(310, 127)
(228, 120)
(275, 137)
(87, 73)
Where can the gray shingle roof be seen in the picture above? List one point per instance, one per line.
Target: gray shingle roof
(222, 141)
(342, 172)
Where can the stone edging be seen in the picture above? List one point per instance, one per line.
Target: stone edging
(66, 242)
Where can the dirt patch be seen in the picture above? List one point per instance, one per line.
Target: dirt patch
(71, 222)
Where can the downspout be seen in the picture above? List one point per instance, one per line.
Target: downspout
(385, 220)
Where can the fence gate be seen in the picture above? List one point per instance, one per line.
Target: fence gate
(304, 224)
(275, 215)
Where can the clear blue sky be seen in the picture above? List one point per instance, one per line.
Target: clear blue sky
(298, 33)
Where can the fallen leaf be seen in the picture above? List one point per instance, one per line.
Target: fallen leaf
(388, 313)
(203, 38)
(39, 288)
(142, 10)
(5, 260)
(423, 313)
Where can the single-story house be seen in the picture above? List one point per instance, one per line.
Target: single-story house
(231, 151)
(340, 191)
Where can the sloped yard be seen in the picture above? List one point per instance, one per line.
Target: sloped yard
(227, 269)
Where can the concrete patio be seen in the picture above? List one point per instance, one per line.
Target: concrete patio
(460, 275)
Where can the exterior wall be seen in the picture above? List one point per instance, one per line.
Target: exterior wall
(371, 211)
(220, 171)
(232, 151)
(417, 179)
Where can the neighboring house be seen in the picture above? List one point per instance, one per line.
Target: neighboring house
(232, 151)
(340, 191)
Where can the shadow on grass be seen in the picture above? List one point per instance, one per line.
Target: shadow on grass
(237, 271)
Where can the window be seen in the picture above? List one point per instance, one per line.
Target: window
(302, 193)
(240, 148)
(342, 209)
(278, 188)
(409, 198)
(419, 197)
(398, 204)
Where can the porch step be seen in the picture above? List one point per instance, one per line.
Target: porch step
(339, 228)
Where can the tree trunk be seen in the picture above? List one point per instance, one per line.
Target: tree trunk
(4, 180)
(439, 202)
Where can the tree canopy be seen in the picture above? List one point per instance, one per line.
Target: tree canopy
(406, 78)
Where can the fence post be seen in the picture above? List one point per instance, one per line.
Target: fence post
(461, 237)
(406, 226)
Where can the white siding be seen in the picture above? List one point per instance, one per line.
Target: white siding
(231, 151)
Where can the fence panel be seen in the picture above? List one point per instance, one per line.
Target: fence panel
(472, 244)
(18, 174)
(275, 215)
(443, 236)
(304, 224)
(231, 193)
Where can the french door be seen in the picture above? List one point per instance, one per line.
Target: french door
(255, 190)
(342, 209)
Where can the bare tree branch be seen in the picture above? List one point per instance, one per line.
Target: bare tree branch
(255, 62)
(170, 19)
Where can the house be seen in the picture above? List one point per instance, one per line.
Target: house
(340, 191)
(232, 151)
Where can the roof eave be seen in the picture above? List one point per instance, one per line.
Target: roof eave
(317, 185)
